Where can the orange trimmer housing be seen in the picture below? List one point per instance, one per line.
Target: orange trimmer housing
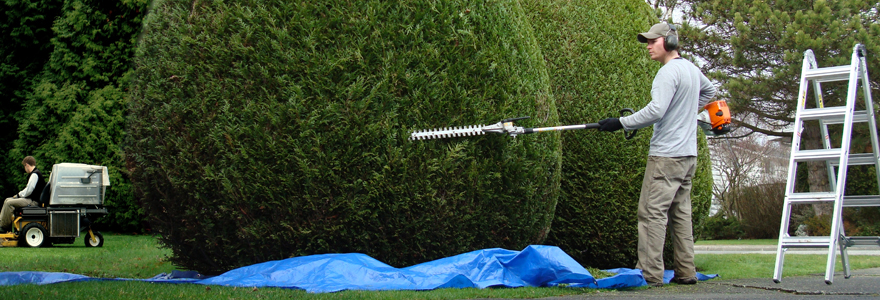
(719, 114)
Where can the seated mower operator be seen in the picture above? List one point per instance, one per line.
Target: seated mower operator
(34, 188)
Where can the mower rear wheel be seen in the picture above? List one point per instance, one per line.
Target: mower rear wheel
(34, 235)
(98, 242)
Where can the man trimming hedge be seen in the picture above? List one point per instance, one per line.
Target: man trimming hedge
(678, 91)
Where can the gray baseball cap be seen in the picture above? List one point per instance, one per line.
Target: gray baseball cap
(658, 30)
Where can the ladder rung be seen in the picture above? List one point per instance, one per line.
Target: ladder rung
(822, 197)
(862, 241)
(857, 159)
(806, 242)
(828, 74)
(833, 115)
(861, 200)
(811, 198)
(833, 156)
(817, 154)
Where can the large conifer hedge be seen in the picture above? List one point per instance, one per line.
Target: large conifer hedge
(266, 129)
(261, 130)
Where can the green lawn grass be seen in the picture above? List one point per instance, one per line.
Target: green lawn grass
(126, 256)
(123, 256)
(738, 242)
(735, 266)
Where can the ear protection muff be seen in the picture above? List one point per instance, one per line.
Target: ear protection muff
(670, 41)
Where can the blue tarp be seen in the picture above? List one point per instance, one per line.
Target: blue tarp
(14, 278)
(533, 266)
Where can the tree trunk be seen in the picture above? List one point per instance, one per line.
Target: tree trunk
(817, 170)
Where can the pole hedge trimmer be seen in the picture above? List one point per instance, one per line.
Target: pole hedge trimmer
(504, 127)
(717, 113)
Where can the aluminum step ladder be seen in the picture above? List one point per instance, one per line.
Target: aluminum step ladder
(854, 73)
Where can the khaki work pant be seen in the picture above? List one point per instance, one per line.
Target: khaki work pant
(8, 206)
(666, 199)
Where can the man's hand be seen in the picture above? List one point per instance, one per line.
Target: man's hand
(610, 124)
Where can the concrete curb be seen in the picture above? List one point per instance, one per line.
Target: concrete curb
(864, 284)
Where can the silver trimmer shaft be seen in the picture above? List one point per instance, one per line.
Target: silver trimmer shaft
(506, 126)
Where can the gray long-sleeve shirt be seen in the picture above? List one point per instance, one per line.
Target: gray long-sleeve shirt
(678, 92)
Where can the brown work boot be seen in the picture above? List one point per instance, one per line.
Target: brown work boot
(655, 284)
(680, 280)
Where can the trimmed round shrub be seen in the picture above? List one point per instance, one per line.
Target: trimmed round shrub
(597, 67)
(261, 130)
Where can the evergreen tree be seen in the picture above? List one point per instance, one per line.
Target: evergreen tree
(755, 50)
(25, 30)
(74, 108)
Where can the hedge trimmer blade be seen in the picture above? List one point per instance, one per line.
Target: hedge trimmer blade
(448, 132)
(503, 127)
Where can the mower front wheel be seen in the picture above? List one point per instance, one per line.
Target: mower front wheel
(34, 235)
(98, 242)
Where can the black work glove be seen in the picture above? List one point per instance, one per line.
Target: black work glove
(610, 124)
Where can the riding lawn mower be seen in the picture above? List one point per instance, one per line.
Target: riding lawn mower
(72, 199)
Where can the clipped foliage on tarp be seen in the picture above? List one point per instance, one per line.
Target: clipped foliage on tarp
(260, 130)
(597, 68)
